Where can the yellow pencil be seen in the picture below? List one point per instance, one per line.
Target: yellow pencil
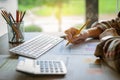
(79, 30)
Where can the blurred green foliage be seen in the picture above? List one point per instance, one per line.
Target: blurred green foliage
(28, 4)
(69, 7)
(41, 2)
(32, 28)
(107, 6)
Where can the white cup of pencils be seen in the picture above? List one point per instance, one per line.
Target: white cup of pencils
(15, 27)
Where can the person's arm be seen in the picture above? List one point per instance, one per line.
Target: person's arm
(94, 32)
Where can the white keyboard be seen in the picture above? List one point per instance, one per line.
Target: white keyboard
(36, 46)
(42, 67)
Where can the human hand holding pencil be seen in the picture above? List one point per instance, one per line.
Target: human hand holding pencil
(75, 35)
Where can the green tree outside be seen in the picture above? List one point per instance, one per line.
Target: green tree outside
(69, 7)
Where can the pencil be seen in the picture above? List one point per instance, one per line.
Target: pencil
(22, 15)
(11, 17)
(83, 27)
(17, 16)
(79, 30)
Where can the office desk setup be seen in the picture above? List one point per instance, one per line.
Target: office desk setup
(80, 62)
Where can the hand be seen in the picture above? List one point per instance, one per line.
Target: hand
(73, 38)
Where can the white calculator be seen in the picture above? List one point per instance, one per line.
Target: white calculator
(42, 67)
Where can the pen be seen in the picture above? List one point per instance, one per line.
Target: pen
(79, 30)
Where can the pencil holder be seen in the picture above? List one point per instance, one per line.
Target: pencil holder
(16, 32)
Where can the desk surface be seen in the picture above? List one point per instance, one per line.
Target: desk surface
(79, 60)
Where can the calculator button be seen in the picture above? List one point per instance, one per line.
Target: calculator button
(50, 67)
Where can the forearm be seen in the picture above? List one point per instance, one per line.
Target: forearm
(94, 32)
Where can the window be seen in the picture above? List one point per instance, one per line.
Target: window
(53, 15)
(59, 15)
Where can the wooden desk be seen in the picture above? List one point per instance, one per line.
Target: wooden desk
(79, 60)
